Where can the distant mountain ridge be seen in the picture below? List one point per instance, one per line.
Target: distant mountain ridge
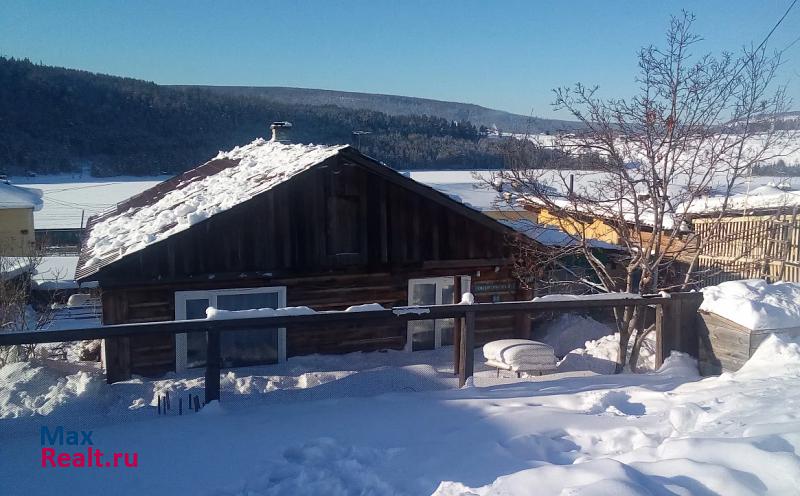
(54, 119)
(398, 105)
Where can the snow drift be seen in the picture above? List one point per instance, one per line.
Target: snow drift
(755, 303)
(665, 432)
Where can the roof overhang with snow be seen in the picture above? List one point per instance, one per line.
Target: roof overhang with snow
(12, 196)
(553, 237)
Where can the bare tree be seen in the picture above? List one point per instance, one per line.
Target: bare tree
(688, 133)
(16, 312)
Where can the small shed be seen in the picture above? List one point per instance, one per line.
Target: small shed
(737, 316)
(276, 225)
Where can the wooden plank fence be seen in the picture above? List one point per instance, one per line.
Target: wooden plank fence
(673, 329)
(750, 246)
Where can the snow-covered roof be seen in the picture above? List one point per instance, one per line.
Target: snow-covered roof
(11, 267)
(475, 196)
(552, 236)
(57, 273)
(12, 196)
(251, 169)
(470, 187)
(765, 197)
(446, 176)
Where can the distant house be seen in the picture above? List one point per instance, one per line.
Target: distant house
(16, 219)
(276, 225)
(600, 228)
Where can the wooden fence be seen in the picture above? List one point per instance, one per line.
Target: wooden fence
(750, 246)
(674, 314)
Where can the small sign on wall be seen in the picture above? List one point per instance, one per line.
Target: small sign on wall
(508, 286)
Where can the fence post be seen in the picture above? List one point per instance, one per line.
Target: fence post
(457, 329)
(118, 359)
(467, 348)
(663, 337)
(676, 325)
(213, 359)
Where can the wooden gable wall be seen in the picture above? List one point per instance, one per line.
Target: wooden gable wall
(339, 216)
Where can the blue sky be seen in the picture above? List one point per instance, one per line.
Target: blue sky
(506, 55)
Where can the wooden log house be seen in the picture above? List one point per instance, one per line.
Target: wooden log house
(280, 225)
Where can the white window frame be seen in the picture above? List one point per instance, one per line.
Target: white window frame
(211, 294)
(437, 326)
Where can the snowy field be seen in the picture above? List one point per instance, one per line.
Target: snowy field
(471, 187)
(398, 426)
(67, 197)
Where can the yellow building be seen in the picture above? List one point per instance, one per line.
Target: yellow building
(17, 237)
(595, 227)
(585, 226)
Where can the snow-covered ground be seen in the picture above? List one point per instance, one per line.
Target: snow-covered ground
(734, 434)
(388, 423)
(398, 426)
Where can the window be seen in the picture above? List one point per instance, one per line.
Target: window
(431, 334)
(238, 348)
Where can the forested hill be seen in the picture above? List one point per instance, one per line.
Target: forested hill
(401, 105)
(55, 119)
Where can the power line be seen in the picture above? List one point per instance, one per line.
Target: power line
(790, 45)
(754, 52)
(789, 9)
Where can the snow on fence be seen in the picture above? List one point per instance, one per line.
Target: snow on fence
(675, 330)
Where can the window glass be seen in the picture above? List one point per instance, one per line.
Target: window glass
(196, 341)
(423, 334)
(247, 301)
(423, 294)
(248, 347)
(446, 326)
(447, 290)
(196, 309)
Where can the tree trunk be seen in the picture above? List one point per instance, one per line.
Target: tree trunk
(623, 351)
